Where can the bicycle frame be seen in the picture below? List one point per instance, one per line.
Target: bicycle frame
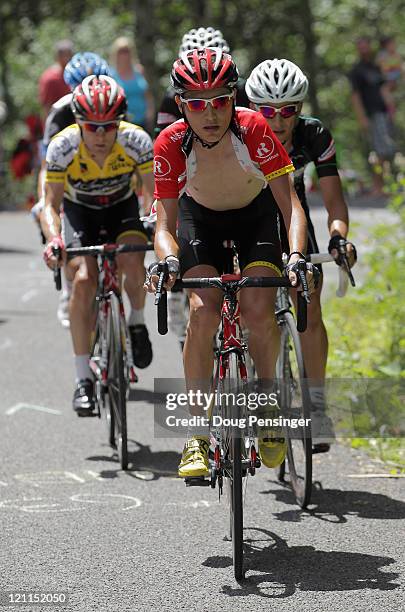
(108, 284)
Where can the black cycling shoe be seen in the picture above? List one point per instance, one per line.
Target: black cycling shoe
(83, 398)
(141, 346)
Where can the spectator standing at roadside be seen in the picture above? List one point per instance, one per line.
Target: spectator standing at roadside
(128, 73)
(51, 83)
(391, 65)
(371, 109)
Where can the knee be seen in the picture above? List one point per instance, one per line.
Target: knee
(84, 286)
(259, 317)
(204, 319)
(133, 267)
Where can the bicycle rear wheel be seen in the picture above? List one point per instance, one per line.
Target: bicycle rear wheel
(233, 459)
(118, 381)
(295, 402)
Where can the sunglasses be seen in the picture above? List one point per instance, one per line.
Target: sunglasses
(198, 104)
(269, 112)
(94, 127)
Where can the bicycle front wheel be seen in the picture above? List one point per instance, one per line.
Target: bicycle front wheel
(233, 460)
(295, 403)
(118, 380)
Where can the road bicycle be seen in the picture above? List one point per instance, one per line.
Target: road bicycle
(111, 359)
(293, 391)
(234, 456)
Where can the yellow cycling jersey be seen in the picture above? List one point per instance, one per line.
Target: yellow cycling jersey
(68, 161)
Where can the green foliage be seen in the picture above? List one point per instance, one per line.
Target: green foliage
(367, 337)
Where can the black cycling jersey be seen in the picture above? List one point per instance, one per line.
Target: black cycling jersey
(312, 142)
(60, 117)
(169, 111)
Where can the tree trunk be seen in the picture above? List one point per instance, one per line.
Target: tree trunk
(311, 62)
(145, 35)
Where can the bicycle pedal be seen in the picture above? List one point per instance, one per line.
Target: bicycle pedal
(197, 481)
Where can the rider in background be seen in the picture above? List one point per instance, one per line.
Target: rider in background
(60, 117)
(277, 88)
(89, 167)
(196, 38)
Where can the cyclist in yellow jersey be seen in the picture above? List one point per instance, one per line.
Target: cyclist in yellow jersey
(89, 200)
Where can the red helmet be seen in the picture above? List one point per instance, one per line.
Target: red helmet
(99, 100)
(203, 69)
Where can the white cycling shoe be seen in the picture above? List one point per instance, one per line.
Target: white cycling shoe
(63, 310)
(322, 428)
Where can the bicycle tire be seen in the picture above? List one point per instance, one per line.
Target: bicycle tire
(293, 389)
(232, 384)
(118, 381)
(106, 410)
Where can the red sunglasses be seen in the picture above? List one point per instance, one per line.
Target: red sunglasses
(269, 112)
(94, 127)
(200, 104)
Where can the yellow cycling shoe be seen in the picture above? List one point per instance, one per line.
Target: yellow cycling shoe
(272, 447)
(194, 461)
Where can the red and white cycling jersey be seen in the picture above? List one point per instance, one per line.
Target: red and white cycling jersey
(258, 151)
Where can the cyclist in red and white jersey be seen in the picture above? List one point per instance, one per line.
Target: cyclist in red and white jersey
(220, 173)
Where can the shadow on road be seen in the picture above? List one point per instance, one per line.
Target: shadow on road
(15, 251)
(279, 570)
(335, 505)
(145, 395)
(143, 463)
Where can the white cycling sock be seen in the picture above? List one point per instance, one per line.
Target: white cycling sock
(82, 367)
(136, 317)
(317, 395)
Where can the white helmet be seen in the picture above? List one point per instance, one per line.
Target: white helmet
(276, 81)
(202, 38)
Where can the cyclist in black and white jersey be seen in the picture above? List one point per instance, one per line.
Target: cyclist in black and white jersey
(277, 89)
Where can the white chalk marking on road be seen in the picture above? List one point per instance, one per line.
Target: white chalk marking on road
(376, 475)
(49, 477)
(6, 344)
(29, 295)
(3, 484)
(74, 477)
(21, 406)
(95, 499)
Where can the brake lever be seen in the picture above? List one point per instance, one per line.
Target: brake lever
(344, 261)
(163, 272)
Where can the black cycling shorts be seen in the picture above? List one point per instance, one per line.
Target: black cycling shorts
(83, 226)
(254, 229)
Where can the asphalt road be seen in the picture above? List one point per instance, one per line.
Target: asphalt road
(71, 521)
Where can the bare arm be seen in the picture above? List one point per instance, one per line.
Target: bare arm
(292, 211)
(50, 220)
(338, 215)
(148, 186)
(165, 236)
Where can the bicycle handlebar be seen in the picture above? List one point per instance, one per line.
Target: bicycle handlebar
(109, 249)
(318, 258)
(224, 283)
(103, 249)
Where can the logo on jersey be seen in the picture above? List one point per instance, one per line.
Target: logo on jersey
(161, 167)
(265, 149)
(329, 152)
